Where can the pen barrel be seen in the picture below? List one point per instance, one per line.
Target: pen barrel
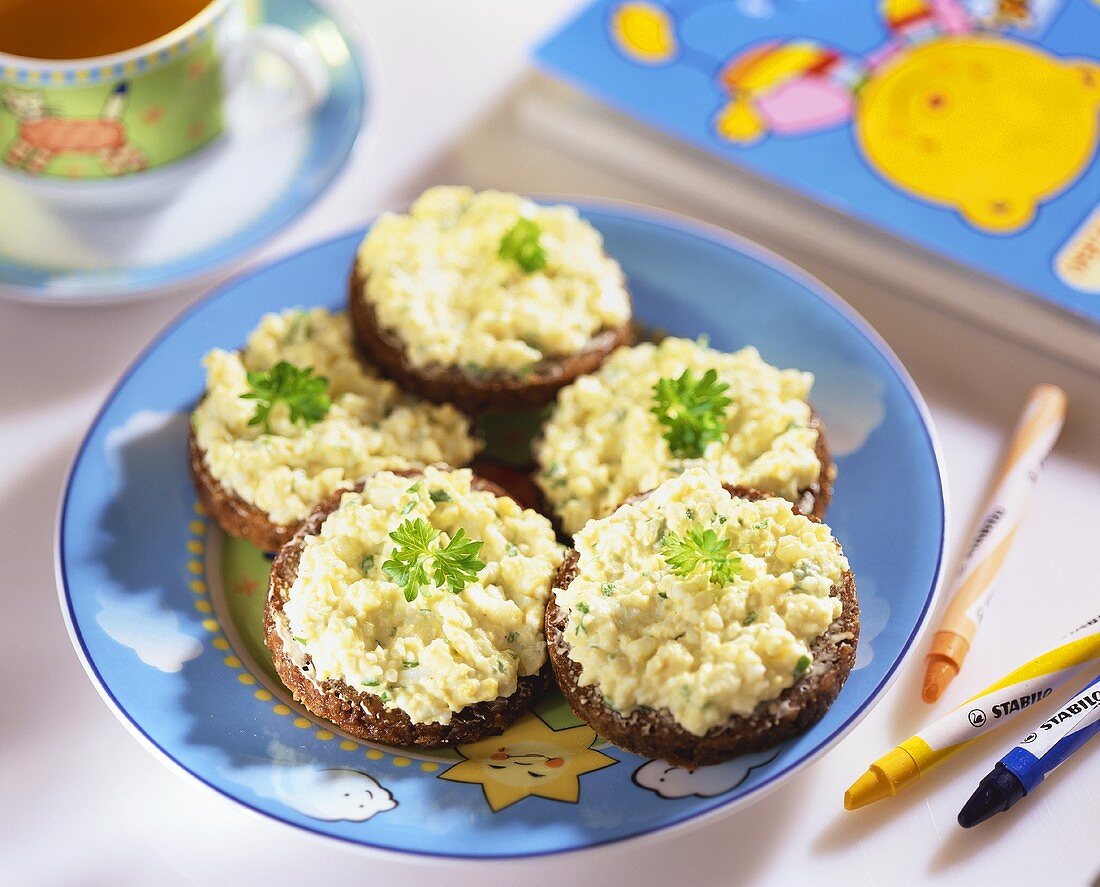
(1052, 742)
(1006, 505)
(1003, 700)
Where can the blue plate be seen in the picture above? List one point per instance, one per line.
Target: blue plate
(163, 608)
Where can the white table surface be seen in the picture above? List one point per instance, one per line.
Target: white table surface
(83, 803)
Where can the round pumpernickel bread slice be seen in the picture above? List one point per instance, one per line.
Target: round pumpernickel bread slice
(363, 714)
(656, 734)
(494, 392)
(232, 513)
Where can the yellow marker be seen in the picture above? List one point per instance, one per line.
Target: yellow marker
(1008, 501)
(996, 705)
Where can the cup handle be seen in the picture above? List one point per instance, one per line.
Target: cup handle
(309, 69)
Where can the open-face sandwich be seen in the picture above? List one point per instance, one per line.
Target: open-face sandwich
(699, 622)
(654, 410)
(297, 415)
(486, 300)
(409, 610)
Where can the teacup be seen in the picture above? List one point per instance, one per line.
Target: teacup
(66, 123)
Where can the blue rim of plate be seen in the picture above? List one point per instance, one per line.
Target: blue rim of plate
(335, 126)
(634, 212)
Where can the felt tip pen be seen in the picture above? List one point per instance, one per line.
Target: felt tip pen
(1041, 751)
(995, 706)
(1007, 502)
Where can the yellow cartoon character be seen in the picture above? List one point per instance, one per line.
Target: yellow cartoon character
(959, 117)
(989, 126)
(529, 758)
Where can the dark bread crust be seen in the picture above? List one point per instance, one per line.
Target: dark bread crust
(495, 392)
(363, 714)
(656, 734)
(232, 513)
(815, 498)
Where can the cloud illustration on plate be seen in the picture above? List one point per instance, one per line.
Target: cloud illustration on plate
(313, 788)
(138, 621)
(133, 612)
(874, 611)
(671, 782)
(849, 400)
(142, 425)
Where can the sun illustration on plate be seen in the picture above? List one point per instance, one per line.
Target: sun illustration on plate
(529, 758)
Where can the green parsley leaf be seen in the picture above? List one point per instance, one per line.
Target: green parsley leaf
(662, 595)
(582, 606)
(301, 641)
(439, 496)
(411, 664)
(457, 565)
(802, 665)
(415, 488)
(370, 683)
(521, 245)
(454, 565)
(750, 617)
(299, 389)
(366, 564)
(512, 635)
(692, 410)
(701, 549)
(385, 697)
(607, 589)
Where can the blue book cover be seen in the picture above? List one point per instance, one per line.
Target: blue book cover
(969, 127)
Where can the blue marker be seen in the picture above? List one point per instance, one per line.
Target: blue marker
(1038, 753)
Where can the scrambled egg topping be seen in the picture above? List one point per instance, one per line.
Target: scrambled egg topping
(442, 651)
(435, 277)
(602, 444)
(648, 637)
(371, 424)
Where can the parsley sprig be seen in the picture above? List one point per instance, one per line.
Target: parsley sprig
(701, 549)
(454, 565)
(521, 245)
(305, 394)
(692, 410)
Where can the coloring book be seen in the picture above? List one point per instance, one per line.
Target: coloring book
(969, 127)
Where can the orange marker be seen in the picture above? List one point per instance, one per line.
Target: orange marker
(1005, 507)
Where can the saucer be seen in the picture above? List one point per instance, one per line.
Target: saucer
(62, 242)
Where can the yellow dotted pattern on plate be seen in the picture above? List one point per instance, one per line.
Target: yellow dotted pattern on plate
(196, 566)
